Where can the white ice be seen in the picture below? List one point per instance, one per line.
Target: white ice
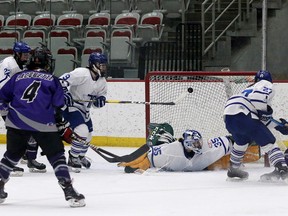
(111, 192)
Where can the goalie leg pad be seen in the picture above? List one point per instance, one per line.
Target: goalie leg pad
(141, 162)
(252, 154)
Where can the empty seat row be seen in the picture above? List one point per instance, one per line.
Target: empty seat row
(173, 8)
(149, 27)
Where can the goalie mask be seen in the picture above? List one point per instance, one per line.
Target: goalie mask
(98, 63)
(192, 141)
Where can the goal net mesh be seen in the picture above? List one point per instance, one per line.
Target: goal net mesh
(202, 109)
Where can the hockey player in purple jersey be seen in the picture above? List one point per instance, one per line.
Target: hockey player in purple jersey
(8, 67)
(35, 98)
(80, 85)
(248, 117)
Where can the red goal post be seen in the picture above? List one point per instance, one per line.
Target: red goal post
(202, 109)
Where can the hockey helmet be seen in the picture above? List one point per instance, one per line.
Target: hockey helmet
(21, 53)
(21, 47)
(41, 57)
(98, 63)
(192, 141)
(263, 75)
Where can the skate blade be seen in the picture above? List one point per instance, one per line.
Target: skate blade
(23, 161)
(34, 170)
(2, 200)
(73, 169)
(77, 203)
(236, 179)
(16, 174)
(139, 171)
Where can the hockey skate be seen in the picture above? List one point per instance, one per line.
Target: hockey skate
(74, 163)
(71, 195)
(236, 174)
(3, 194)
(24, 159)
(36, 167)
(85, 162)
(280, 172)
(17, 172)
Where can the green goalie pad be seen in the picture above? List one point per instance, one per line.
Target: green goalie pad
(160, 134)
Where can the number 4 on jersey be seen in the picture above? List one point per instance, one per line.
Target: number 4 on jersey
(30, 92)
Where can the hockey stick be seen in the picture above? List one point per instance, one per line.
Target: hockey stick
(115, 158)
(181, 96)
(279, 123)
(130, 102)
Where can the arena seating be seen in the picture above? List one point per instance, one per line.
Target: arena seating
(66, 59)
(150, 27)
(31, 7)
(34, 38)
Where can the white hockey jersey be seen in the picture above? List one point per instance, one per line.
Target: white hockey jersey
(83, 87)
(253, 98)
(171, 157)
(8, 67)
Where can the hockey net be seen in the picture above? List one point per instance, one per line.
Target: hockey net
(202, 109)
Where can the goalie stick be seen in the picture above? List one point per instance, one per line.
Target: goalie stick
(115, 158)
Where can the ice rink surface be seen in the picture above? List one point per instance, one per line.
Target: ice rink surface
(111, 192)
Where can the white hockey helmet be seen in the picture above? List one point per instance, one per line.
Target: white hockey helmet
(192, 141)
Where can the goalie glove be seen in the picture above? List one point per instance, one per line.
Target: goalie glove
(141, 163)
(160, 134)
(283, 127)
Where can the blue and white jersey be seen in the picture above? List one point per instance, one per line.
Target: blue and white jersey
(172, 157)
(253, 98)
(8, 67)
(82, 87)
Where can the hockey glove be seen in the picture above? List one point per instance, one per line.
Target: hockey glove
(283, 127)
(3, 108)
(68, 100)
(65, 131)
(100, 102)
(265, 116)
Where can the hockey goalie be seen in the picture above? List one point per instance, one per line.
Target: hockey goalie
(189, 153)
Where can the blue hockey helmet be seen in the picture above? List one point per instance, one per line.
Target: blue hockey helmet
(263, 75)
(21, 47)
(192, 141)
(98, 63)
